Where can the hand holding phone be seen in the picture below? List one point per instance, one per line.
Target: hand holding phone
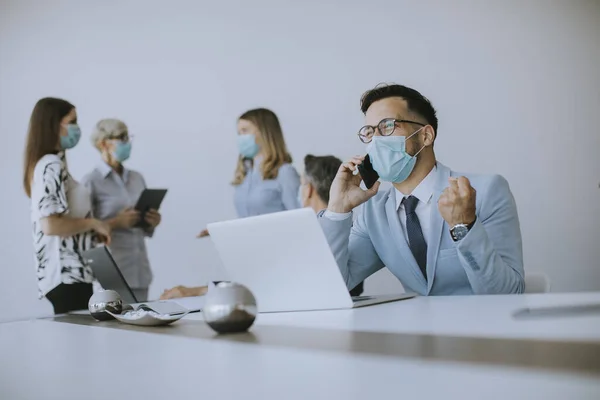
(345, 193)
(367, 173)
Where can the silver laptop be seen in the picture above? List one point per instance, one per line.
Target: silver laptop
(285, 260)
(109, 275)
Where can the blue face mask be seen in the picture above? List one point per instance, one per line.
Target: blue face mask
(247, 145)
(72, 138)
(390, 159)
(122, 151)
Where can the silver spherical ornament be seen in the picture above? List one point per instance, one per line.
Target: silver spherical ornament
(229, 307)
(102, 301)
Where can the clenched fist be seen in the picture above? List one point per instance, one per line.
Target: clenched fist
(457, 202)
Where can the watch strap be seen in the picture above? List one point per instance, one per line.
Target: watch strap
(471, 224)
(468, 227)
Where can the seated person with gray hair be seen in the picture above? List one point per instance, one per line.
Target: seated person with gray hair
(114, 191)
(315, 183)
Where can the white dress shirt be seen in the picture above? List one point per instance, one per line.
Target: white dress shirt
(423, 192)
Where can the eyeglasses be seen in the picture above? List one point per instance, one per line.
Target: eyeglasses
(386, 127)
(123, 137)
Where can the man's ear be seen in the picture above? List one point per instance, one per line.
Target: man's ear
(311, 190)
(429, 135)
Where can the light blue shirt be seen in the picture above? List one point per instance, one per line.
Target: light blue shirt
(110, 194)
(256, 196)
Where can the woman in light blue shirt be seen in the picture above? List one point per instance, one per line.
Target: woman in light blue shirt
(115, 190)
(265, 180)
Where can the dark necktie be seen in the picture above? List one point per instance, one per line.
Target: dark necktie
(416, 241)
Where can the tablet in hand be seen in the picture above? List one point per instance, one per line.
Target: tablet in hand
(149, 199)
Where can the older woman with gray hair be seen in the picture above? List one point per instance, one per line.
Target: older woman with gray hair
(115, 190)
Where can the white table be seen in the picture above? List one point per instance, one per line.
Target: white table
(479, 316)
(45, 359)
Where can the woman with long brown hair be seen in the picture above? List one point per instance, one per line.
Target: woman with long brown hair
(265, 180)
(61, 209)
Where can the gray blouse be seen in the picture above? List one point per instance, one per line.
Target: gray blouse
(110, 194)
(256, 196)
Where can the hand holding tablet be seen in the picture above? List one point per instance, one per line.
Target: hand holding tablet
(150, 199)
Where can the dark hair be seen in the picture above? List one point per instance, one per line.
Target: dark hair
(416, 102)
(321, 171)
(44, 134)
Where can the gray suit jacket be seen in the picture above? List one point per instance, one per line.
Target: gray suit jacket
(488, 260)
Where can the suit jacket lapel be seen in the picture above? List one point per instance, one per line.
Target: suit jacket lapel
(398, 240)
(437, 224)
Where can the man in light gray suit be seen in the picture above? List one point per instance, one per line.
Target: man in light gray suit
(438, 231)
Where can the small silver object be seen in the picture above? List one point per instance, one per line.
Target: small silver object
(105, 300)
(229, 307)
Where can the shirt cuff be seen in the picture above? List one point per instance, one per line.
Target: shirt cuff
(336, 216)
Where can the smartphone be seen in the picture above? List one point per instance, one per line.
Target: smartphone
(367, 173)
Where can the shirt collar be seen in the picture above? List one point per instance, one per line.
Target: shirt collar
(257, 160)
(106, 170)
(253, 164)
(423, 191)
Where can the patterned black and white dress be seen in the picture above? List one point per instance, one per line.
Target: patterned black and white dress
(53, 191)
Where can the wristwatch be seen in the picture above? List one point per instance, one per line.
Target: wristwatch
(459, 231)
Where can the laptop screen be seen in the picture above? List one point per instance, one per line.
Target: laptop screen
(108, 273)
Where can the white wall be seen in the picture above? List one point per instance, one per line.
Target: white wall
(516, 84)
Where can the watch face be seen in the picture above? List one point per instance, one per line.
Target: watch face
(459, 232)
